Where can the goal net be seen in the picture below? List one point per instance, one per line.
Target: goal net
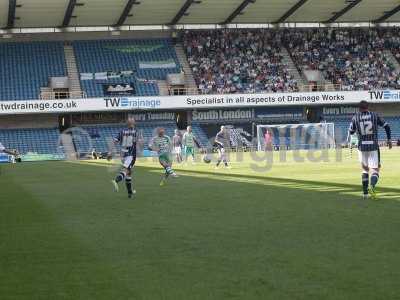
(296, 136)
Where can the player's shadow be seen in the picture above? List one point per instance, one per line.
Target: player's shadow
(289, 182)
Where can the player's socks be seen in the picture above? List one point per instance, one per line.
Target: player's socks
(218, 162)
(115, 185)
(226, 163)
(374, 179)
(168, 170)
(128, 183)
(365, 182)
(121, 176)
(163, 179)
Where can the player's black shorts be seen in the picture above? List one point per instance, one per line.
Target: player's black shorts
(128, 161)
(218, 145)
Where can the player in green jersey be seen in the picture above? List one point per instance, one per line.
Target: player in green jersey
(162, 144)
(189, 141)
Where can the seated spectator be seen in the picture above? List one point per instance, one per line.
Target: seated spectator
(251, 61)
(355, 59)
(238, 61)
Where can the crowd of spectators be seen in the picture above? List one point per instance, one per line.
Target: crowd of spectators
(227, 61)
(251, 61)
(392, 40)
(355, 59)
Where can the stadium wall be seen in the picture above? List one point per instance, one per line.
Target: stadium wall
(29, 121)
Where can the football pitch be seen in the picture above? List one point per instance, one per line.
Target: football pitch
(298, 230)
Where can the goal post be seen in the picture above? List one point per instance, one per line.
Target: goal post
(296, 136)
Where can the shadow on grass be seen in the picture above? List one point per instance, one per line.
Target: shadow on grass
(289, 182)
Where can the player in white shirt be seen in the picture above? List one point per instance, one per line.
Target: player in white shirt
(177, 143)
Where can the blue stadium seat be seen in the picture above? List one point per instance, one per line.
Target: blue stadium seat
(342, 126)
(101, 135)
(125, 55)
(40, 141)
(26, 67)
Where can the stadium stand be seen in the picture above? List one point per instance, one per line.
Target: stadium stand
(47, 140)
(36, 140)
(95, 88)
(355, 59)
(222, 61)
(231, 61)
(342, 126)
(225, 61)
(148, 59)
(391, 39)
(26, 67)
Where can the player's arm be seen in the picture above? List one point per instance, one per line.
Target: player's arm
(170, 144)
(219, 140)
(388, 131)
(184, 138)
(118, 138)
(352, 128)
(348, 136)
(196, 141)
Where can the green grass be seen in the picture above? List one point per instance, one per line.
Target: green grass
(297, 231)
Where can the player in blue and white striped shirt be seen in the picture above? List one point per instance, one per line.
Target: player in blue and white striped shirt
(366, 125)
(221, 139)
(127, 139)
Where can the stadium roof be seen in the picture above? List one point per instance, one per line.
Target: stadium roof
(72, 13)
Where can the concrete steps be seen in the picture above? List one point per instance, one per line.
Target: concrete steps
(163, 87)
(287, 59)
(392, 60)
(72, 71)
(190, 83)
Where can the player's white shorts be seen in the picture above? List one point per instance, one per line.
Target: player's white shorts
(369, 159)
(177, 150)
(128, 161)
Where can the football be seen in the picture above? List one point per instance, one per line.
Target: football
(207, 159)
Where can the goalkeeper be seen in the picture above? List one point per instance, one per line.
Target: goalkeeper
(162, 144)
